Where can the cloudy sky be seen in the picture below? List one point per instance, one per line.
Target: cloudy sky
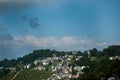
(26, 25)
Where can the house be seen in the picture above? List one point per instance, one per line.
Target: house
(103, 78)
(27, 66)
(66, 71)
(45, 62)
(70, 56)
(64, 75)
(75, 76)
(70, 69)
(12, 68)
(84, 67)
(77, 68)
(114, 58)
(59, 77)
(36, 62)
(70, 76)
(111, 58)
(1, 67)
(77, 59)
(55, 58)
(38, 68)
(111, 78)
(69, 59)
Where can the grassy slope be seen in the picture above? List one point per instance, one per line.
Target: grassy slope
(33, 75)
(7, 77)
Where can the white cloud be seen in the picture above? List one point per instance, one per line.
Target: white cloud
(102, 44)
(64, 43)
(21, 45)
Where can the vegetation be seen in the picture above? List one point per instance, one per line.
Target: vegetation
(6, 75)
(98, 62)
(100, 65)
(30, 74)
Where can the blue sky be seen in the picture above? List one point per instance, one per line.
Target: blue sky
(57, 24)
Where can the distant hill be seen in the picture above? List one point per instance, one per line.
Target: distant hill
(31, 57)
(109, 51)
(105, 63)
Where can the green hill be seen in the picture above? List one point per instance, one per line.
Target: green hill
(100, 65)
(30, 74)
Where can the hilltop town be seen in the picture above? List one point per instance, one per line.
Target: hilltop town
(55, 65)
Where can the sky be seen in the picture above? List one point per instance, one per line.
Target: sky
(64, 25)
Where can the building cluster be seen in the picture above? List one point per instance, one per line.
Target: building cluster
(114, 58)
(61, 67)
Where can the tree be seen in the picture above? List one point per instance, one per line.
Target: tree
(112, 50)
(93, 52)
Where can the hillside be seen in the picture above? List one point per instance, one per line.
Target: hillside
(51, 64)
(33, 75)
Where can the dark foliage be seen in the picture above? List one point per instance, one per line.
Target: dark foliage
(98, 61)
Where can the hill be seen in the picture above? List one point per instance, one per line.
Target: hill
(31, 74)
(44, 64)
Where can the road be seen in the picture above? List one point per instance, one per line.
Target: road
(15, 75)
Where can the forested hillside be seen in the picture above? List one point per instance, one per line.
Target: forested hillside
(101, 64)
